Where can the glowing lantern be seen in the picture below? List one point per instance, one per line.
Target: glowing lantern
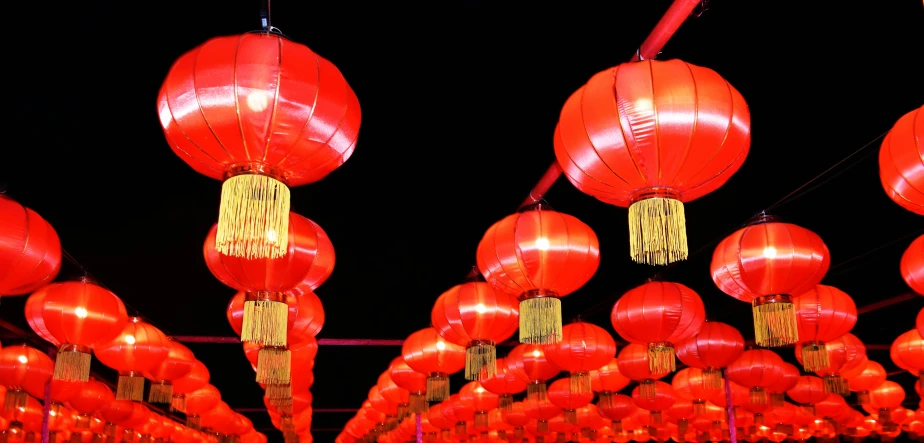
(178, 364)
(20, 367)
(138, 348)
(426, 352)
(30, 251)
(714, 347)
(824, 313)
(583, 348)
(901, 162)
(912, 265)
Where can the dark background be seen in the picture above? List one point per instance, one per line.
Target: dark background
(459, 102)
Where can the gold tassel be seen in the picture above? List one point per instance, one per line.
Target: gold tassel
(437, 387)
(279, 395)
(647, 389)
(699, 407)
(657, 231)
(606, 400)
(480, 355)
(682, 426)
(759, 419)
(15, 398)
(445, 435)
(542, 426)
(266, 319)
(777, 399)
(501, 435)
(130, 387)
(518, 434)
(274, 366)
(76, 437)
(417, 404)
(808, 409)
(110, 429)
(536, 391)
(712, 379)
(814, 357)
(178, 403)
(656, 418)
(758, 396)
(580, 383)
(540, 320)
(83, 421)
(661, 358)
(570, 416)
(863, 397)
(253, 218)
(461, 428)
(505, 402)
(834, 384)
(481, 419)
(160, 392)
(617, 426)
(774, 321)
(193, 422)
(72, 363)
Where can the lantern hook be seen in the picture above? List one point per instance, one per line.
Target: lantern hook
(265, 21)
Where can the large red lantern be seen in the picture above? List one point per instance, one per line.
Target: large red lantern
(92, 397)
(912, 264)
(870, 376)
(504, 383)
(139, 348)
(197, 378)
(824, 313)
(766, 264)
(584, 347)
(659, 314)
(714, 347)
(756, 369)
(310, 261)
(428, 353)
(200, 402)
(22, 367)
(79, 315)
(261, 113)
(901, 162)
(177, 364)
(539, 255)
(649, 136)
(907, 352)
(414, 382)
(477, 316)
(30, 251)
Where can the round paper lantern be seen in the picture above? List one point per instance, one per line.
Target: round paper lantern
(539, 255)
(659, 314)
(480, 400)
(560, 394)
(393, 393)
(583, 348)
(887, 396)
(788, 377)
(756, 369)
(200, 402)
(662, 400)
(634, 362)
(310, 260)
(91, 399)
(428, 353)
(808, 391)
(714, 347)
(20, 368)
(504, 383)
(197, 378)
(912, 265)
(649, 136)
(414, 382)
(907, 352)
(477, 316)
(606, 381)
(30, 251)
(80, 315)
(541, 412)
(531, 364)
(872, 375)
(766, 264)
(690, 384)
(305, 318)
(919, 322)
(277, 115)
(901, 162)
(824, 313)
(139, 348)
(35, 303)
(177, 364)
(619, 408)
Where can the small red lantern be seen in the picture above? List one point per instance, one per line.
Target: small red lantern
(649, 136)
(480, 400)
(22, 367)
(583, 348)
(766, 264)
(634, 363)
(539, 255)
(714, 347)
(662, 400)
(200, 402)
(808, 391)
(606, 381)
(530, 363)
(178, 363)
(197, 378)
(823, 314)
(90, 400)
(912, 265)
(690, 383)
(788, 377)
(310, 260)
(277, 115)
(139, 348)
(504, 383)
(756, 369)
(414, 382)
(428, 353)
(30, 251)
(886, 397)
(907, 352)
(80, 315)
(901, 162)
(871, 376)
(477, 316)
(560, 394)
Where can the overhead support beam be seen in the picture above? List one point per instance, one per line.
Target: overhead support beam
(887, 302)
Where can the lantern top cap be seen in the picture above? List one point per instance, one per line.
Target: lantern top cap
(763, 217)
(473, 276)
(537, 206)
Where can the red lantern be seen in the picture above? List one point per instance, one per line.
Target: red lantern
(919, 322)
(541, 411)
(901, 162)
(178, 363)
(871, 376)
(480, 400)
(808, 391)
(844, 350)
(33, 309)
(886, 397)
(766, 264)
(80, 315)
(310, 260)
(650, 135)
(30, 251)
(477, 316)
(530, 363)
(690, 383)
(714, 347)
(139, 348)
(907, 352)
(659, 314)
(583, 348)
(426, 352)
(756, 369)
(277, 115)
(539, 255)
(393, 393)
(606, 381)
(22, 367)
(197, 378)
(560, 394)
(414, 382)
(789, 376)
(504, 383)
(200, 402)
(662, 400)
(90, 400)
(633, 361)
(823, 314)
(619, 408)
(912, 265)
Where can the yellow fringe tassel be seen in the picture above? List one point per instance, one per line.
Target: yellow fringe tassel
(437, 387)
(570, 416)
(580, 382)
(160, 392)
(72, 365)
(130, 387)
(15, 399)
(657, 231)
(777, 399)
(834, 384)
(774, 322)
(536, 391)
(699, 407)
(605, 400)
(274, 366)
(461, 428)
(253, 219)
(417, 404)
(712, 378)
(863, 397)
(656, 418)
(814, 357)
(542, 426)
(265, 322)
(758, 396)
(540, 320)
(279, 395)
(193, 422)
(505, 402)
(501, 435)
(481, 419)
(480, 360)
(178, 403)
(647, 389)
(661, 358)
(682, 426)
(617, 425)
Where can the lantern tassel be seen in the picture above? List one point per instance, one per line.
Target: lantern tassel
(437, 387)
(606, 400)
(266, 319)
(15, 399)
(279, 395)
(82, 422)
(712, 378)
(253, 218)
(193, 422)
(758, 396)
(542, 426)
(481, 419)
(505, 402)
(617, 426)
(863, 397)
(580, 382)
(657, 231)
(72, 363)
(814, 357)
(417, 404)
(699, 407)
(161, 392)
(661, 358)
(130, 387)
(834, 384)
(682, 426)
(774, 321)
(536, 391)
(178, 403)
(480, 356)
(274, 366)
(656, 418)
(571, 416)
(540, 320)
(647, 389)
(777, 399)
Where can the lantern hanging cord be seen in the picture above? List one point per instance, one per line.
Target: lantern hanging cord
(266, 19)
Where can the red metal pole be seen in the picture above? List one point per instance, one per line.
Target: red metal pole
(662, 32)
